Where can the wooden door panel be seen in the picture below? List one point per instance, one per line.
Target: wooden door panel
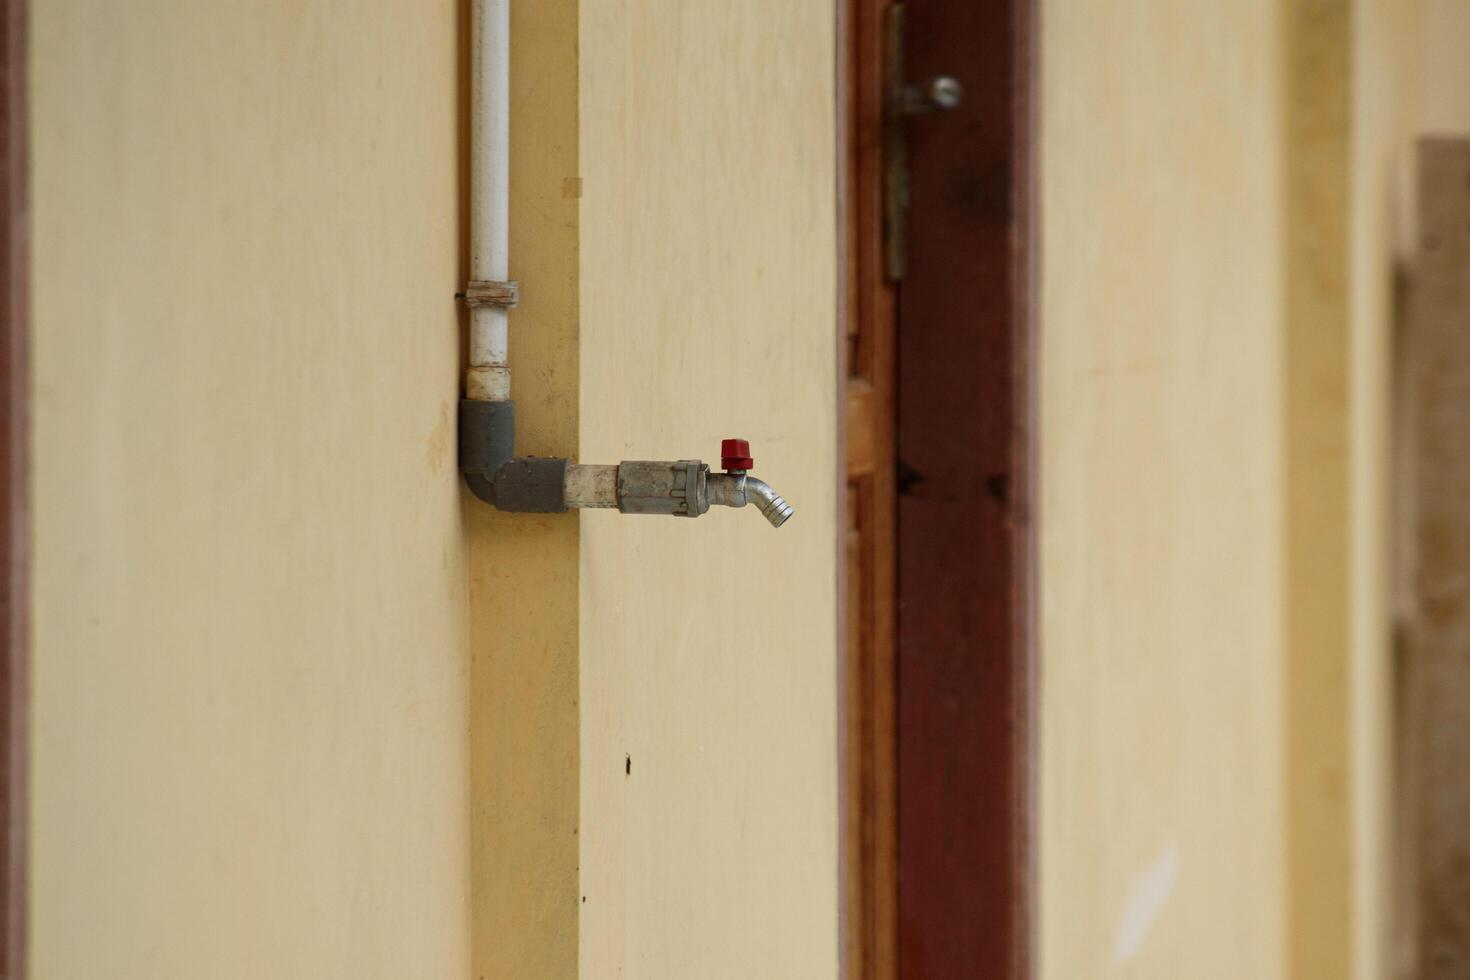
(964, 724)
(14, 492)
(938, 683)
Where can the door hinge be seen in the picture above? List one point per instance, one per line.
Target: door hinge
(902, 100)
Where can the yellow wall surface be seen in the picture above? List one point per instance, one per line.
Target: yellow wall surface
(709, 677)
(523, 568)
(250, 682)
(303, 707)
(1384, 52)
(1348, 120)
(1317, 451)
(257, 577)
(1197, 499)
(1161, 492)
(1366, 79)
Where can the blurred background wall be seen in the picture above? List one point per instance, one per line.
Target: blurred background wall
(1161, 512)
(1227, 195)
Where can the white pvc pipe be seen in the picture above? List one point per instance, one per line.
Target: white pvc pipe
(488, 378)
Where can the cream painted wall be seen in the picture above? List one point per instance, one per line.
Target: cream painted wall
(252, 693)
(1161, 580)
(250, 696)
(708, 647)
(251, 685)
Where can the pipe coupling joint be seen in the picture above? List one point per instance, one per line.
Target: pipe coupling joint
(680, 489)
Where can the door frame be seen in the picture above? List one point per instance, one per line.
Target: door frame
(938, 851)
(15, 487)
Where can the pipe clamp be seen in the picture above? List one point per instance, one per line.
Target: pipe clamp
(481, 293)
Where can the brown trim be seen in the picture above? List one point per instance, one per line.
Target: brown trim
(15, 505)
(842, 93)
(1025, 281)
(1436, 724)
(869, 784)
(938, 700)
(966, 347)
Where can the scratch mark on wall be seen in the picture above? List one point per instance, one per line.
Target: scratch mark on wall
(436, 449)
(1146, 900)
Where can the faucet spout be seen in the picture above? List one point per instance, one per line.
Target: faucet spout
(770, 503)
(737, 489)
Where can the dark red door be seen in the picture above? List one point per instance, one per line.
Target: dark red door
(938, 855)
(14, 495)
(964, 673)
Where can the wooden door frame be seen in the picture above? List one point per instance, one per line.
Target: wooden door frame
(867, 468)
(938, 786)
(15, 506)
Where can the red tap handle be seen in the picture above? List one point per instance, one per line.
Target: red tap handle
(735, 455)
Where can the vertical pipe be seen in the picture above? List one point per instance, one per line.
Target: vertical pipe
(488, 377)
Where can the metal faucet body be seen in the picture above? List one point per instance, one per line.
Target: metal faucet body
(542, 485)
(734, 488)
(675, 488)
(688, 488)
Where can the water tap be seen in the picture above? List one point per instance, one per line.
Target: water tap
(681, 488)
(533, 484)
